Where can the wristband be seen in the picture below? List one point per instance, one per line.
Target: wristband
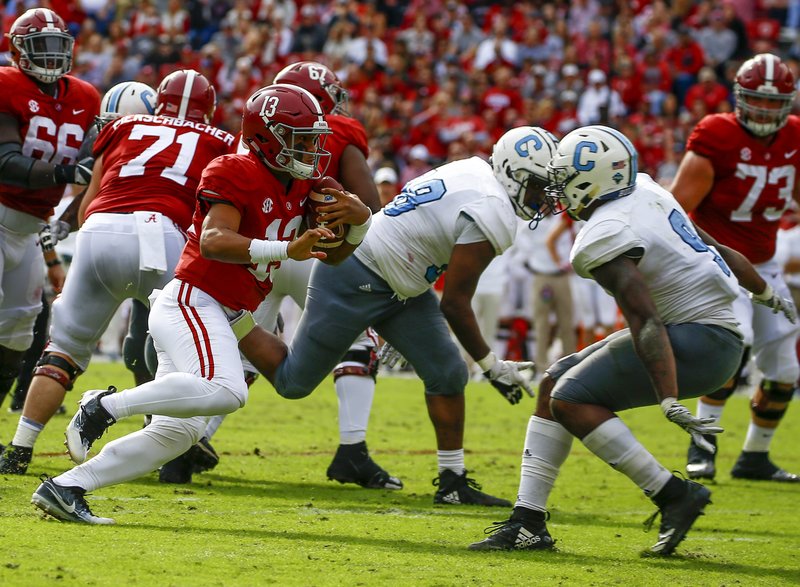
(487, 362)
(765, 295)
(53, 262)
(667, 403)
(264, 251)
(242, 324)
(357, 232)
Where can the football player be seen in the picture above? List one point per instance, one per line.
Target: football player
(42, 123)
(676, 291)
(223, 274)
(457, 217)
(739, 174)
(124, 98)
(134, 215)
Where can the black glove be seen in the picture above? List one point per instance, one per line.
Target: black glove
(80, 173)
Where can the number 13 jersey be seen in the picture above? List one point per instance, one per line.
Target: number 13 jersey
(753, 183)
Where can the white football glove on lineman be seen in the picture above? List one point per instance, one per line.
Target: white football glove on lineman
(508, 377)
(680, 415)
(771, 299)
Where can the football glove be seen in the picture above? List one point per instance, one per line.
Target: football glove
(696, 427)
(509, 377)
(60, 230)
(772, 299)
(390, 356)
(80, 173)
(46, 240)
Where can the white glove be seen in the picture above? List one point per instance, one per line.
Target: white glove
(390, 356)
(680, 415)
(508, 377)
(771, 299)
(59, 230)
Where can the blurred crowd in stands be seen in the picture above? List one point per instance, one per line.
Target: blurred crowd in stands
(438, 80)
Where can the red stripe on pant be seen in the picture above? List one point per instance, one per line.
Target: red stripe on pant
(185, 291)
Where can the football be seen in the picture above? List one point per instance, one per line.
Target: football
(313, 219)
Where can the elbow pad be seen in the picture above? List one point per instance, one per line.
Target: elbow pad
(15, 168)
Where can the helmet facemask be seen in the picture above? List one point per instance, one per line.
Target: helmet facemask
(762, 113)
(45, 55)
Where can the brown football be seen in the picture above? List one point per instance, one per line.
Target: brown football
(313, 219)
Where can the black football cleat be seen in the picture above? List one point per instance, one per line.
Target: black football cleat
(202, 456)
(677, 516)
(67, 504)
(461, 490)
(700, 463)
(88, 424)
(14, 460)
(353, 464)
(177, 471)
(518, 533)
(757, 466)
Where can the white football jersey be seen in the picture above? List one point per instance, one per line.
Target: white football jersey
(688, 279)
(410, 241)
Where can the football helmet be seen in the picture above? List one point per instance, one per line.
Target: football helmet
(519, 161)
(126, 98)
(284, 127)
(764, 91)
(592, 164)
(187, 94)
(318, 79)
(41, 45)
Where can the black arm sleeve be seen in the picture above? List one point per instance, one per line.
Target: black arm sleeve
(25, 172)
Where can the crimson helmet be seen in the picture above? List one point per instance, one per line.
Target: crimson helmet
(284, 127)
(41, 45)
(187, 94)
(764, 92)
(318, 79)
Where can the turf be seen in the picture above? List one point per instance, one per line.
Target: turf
(267, 515)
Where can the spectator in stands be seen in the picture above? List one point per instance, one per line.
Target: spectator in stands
(685, 58)
(707, 90)
(310, 35)
(719, 43)
(498, 48)
(418, 163)
(386, 181)
(599, 103)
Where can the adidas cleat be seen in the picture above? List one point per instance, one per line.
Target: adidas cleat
(517, 534)
(88, 424)
(65, 503)
(461, 490)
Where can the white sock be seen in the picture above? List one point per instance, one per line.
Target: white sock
(27, 432)
(613, 442)
(136, 454)
(758, 438)
(451, 459)
(355, 393)
(179, 395)
(214, 422)
(547, 445)
(705, 410)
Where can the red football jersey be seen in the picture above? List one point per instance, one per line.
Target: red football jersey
(50, 129)
(154, 163)
(753, 183)
(346, 131)
(268, 212)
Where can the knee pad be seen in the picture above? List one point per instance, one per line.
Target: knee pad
(65, 373)
(771, 401)
(361, 363)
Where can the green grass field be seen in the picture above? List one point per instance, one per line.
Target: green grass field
(267, 514)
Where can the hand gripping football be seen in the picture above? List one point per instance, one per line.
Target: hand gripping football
(315, 199)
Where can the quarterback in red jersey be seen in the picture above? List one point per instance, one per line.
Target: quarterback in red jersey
(136, 211)
(355, 376)
(249, 210)
(44, 115)
(737, 178)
